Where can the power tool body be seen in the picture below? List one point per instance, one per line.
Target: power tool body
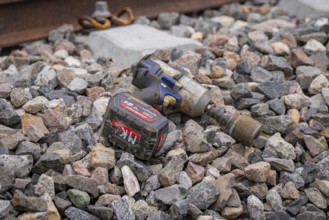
(162, 85)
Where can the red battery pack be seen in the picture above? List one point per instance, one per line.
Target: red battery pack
(134, 126)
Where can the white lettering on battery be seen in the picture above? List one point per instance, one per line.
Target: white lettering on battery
(132, 139)
(124, 133)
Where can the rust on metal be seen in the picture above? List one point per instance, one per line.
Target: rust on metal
(26, 20)
(241, 127)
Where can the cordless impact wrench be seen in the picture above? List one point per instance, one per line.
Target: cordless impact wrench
(160, 84)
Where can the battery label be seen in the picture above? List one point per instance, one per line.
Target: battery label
(148, 114)
(126, 133)
(161, 141)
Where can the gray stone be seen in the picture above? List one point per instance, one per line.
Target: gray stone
(85, 133)
(260, 109)
(169, 174)
(106, 199)
(104, 213)
(122, 209)
(308, 215)
(325, 95)
(223, 164)
(278, 215)
(274, 199)
(195, 137)
(277, 106)
(279, 63)
(70, 140)
(193, 211)
(95, 79)
(273, 124)
(323, 186)
(28, 203)
(260, 42)
(77, 214)
(59, 180)
(207, 157)
(319, 36)
(281, 164)
(203, 194)
(74, 112)
(309, 172)
(82, 183)
(237, 160)
(159, 215)
(167, 19)
(318, 84)
(4, 130)
(189, 60)
(294, 207)
(62, 150)
(218, 138)
(306, 74)
(141, 209)
(37, 48)
(323, 167)
(272, 25)
(315, 146)
(141, 171)
(184, 180)
(8, 116)
(241, 90)
(170, 141)
(27, 147)
(21, 165)
(152, 184)
(19, 97)
(306, 8)
(181, 30)
(47, 76)
(272, 89)
(282, 148)
(4, 208)
(35, 105)
(129, 44)
(179, 209)
(68, 97)
(316, 197)
(66, 74)
(77, 85)
(7, 179)
(294, 177)
(86, 104)
(79, 198)
(245, 103)
(171, 194)
(95, 120)
(260, 75)
(4, 150)
(234, 200)
(44, 186)
(5, 90)
(49, 161)
(130, 181)
(109, 188)
(255, 208)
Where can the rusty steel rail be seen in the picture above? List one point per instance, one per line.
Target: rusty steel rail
(26, 20)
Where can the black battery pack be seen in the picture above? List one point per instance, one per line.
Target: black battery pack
(134, 126)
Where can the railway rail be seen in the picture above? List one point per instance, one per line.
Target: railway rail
(26, 20)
